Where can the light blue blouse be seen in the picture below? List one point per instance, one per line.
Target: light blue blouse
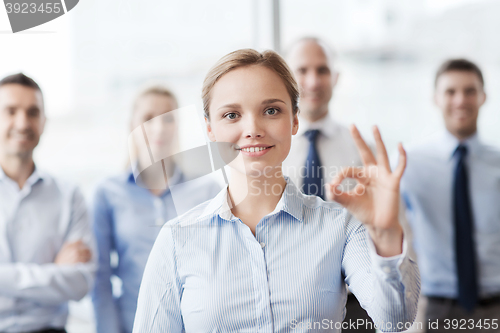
(207, 272)
(127, 219)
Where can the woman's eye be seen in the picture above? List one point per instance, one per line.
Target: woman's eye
(230, 115)
(272, 111)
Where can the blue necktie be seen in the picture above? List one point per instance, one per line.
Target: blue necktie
(464, 232)
(313, 175)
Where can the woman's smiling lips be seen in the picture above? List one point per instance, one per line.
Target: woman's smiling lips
(255, 150)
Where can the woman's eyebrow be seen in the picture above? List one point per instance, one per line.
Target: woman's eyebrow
(272, 100)
(264, 102)
(234, 106)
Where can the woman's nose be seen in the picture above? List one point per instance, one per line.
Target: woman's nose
(254, 129)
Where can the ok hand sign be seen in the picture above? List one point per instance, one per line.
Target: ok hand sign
(375, 199)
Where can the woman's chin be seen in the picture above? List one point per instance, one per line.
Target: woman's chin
(260, 170)
(241, 171)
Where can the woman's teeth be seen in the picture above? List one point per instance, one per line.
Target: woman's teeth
(254, 149)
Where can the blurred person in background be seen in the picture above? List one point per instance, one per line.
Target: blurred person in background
(46, 246)
(128, 213)
(322, 146)
(451, 187)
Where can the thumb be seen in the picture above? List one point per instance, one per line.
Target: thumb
(335, 193)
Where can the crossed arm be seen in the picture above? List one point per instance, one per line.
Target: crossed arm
(71, 274)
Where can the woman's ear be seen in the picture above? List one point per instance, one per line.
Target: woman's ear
(295, 124)
(210, 134)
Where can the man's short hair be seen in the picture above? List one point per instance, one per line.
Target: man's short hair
(21, 79)
(462, 65)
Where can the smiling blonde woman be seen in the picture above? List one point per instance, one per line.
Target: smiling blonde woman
(262, 256)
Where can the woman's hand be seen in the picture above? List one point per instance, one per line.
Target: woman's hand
(375, 199)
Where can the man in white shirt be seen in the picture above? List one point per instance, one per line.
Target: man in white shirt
(311, 60)
(45, 238)
(321, 147)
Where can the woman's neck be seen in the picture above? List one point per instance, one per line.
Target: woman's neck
(254, 197)
(154, 176)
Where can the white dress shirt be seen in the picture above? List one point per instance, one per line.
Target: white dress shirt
(35, 222)
(207, 272)
(335, 146)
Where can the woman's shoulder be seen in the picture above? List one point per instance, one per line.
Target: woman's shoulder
(190, 217)
(184, 227)
(205, 187)
(112, 189)
(294, 197)
(201, 213)
(315, 202)
(113, 182)
(317, 205)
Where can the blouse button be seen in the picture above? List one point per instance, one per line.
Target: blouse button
(262, 245)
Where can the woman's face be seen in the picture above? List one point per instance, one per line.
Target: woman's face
(160, 126)
(250, 107)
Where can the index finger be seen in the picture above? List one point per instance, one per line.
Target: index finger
(382, 157)
(364, 151)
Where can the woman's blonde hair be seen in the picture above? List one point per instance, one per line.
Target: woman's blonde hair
(249, 57)
(157, 90)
